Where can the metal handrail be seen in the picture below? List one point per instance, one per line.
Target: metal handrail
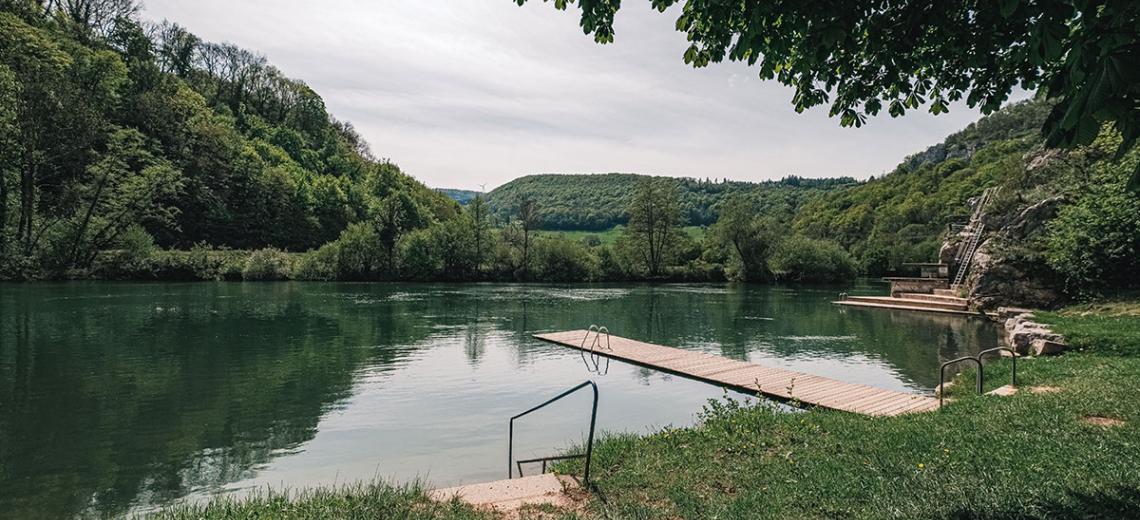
(589, 439)
(942, 375)
(544, 460)
(1013, 359)
(594, 346)
(981, 370)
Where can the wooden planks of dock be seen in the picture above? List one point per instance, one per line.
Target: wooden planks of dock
(742, 376)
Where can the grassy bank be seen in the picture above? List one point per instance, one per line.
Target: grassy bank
(1068, 445)
(377, 500)
(1033, 455)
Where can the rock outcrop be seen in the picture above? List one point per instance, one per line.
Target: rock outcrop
(1026, 336)
(1006, 270)
(1001, 276)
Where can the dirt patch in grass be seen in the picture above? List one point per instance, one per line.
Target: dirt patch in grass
(1044, 389)
(1107, 422)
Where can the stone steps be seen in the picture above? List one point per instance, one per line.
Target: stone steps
(508, 495)
(946, 292)
(910, 303)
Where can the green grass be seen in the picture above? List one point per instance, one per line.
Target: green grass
(375, 500)
(609, 237)
(1026, 456)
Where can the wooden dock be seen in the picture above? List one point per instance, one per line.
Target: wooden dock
(742, 376)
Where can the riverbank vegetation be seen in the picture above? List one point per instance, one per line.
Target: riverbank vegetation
(134, 150)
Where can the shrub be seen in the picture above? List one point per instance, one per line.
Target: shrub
(359, 253)
(802, 259)
(1094, 244)
(267, 264)
(418, 256)
(560, 260)
(320, 264)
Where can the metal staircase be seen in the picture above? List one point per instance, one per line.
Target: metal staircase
(975, 229)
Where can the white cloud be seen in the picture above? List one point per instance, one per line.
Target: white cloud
(468, 92)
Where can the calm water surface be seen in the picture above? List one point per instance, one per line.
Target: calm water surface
(122, 397)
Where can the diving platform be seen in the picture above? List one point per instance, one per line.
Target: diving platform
(742, 376)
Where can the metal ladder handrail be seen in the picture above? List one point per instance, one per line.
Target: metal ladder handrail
(589, 438)
(594, 346)
(976, 229)
(981, 376)
(964, 265)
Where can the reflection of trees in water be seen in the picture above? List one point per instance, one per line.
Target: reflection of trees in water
(102, 421)
(782, 321)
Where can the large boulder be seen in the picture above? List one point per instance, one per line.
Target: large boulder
(1026, 336)
(1044, 347)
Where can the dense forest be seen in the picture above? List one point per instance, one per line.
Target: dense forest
(134, 150)
(601, 201)
(112, 128)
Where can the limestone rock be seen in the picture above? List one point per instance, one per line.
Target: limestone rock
(998, 279)
(1033, 218)
(1044, 347)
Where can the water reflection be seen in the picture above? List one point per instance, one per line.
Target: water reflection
(118, 396)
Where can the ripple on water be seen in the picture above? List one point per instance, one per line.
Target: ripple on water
(819, 338)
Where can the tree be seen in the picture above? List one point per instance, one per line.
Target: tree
(8, 144)
(394, 216)
(59, 115)
(863, 55)
(480, 228)
(750, 238)
(125, 187)
(98, 16)
(654, 219)
(526, 221)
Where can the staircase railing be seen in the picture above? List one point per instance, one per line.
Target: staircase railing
(980, 377)
(976, 229)
(964, 264)
(589, 439)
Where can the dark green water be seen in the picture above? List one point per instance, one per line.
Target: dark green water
(121, 397)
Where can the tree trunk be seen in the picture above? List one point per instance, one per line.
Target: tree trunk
(3, 211)
(86, 221)
(27, 204)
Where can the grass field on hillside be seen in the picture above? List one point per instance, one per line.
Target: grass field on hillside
(609, 237)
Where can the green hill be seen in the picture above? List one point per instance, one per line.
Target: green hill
(595, 202)
(460, 196)
(902, 216)
(109, 125)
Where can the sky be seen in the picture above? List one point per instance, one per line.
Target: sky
(473, 93)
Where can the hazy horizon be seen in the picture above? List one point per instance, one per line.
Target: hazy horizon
(475, 93)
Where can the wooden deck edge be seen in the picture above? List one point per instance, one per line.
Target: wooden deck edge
(919, 403)
(914, 308)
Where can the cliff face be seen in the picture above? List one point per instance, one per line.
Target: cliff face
(1008, 268)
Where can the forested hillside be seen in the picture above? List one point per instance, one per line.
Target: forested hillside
(112, 128)
(902, 216)
(131, 150)
(601, 201)
(460, 196)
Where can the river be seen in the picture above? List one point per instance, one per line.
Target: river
(122, 397)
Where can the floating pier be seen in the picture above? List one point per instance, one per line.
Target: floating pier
(742, 376)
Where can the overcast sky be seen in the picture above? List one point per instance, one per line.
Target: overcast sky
(464, 93)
